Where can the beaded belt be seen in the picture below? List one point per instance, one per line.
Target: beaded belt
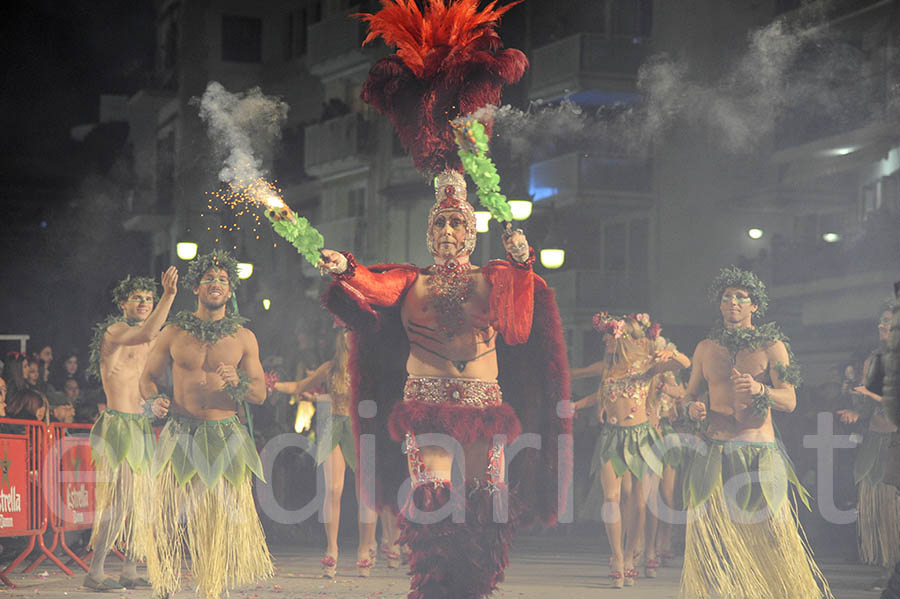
(469, 392)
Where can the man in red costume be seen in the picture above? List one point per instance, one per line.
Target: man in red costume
(468, 332)
(460, 360)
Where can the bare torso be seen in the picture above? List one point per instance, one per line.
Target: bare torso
(198, 389)
(120, 372)
(730, 415)
(469, 353)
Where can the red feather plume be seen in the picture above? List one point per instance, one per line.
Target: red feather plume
(449, 61)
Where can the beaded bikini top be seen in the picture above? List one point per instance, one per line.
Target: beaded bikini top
(634, 386)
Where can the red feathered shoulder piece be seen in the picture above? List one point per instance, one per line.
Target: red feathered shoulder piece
(449, 61)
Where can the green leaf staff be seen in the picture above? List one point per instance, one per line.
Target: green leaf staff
(298, 232)
(472, 140)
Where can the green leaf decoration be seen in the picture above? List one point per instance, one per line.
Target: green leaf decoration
(136, 453)
(96, 344)
(98, 438)
(207, 449)
(773, 478)
(799, 489)
(754, 339)
(651, 458)
(632, 454)
(735, 465)
(473, 148)
(239, 392)
(789, 373)
(182, 465)
(251, 456)
(619, 466)
(305, 238)
(208, 331)
(165, 446)
(706, 474)
(117, 441)
(235, 463)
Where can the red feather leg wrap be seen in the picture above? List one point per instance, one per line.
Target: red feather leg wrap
(464, 423)
(449, 62)
(451, 560)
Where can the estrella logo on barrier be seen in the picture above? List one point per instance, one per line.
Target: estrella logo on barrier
(13, 449)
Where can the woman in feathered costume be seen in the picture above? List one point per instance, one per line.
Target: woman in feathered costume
(475, 353)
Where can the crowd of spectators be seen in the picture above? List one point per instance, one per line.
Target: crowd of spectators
(34, 386)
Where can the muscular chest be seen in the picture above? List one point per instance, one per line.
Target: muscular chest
(720, 364)
(190, 354)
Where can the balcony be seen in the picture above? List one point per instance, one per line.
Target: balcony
(614, 182)
(338, 146)
(581, 293)
(584, 62)
(335, 45)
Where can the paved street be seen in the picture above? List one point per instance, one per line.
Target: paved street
(542, 567)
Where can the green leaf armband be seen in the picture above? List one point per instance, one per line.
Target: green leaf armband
(762, 401)
(239, 392)
(789, 373)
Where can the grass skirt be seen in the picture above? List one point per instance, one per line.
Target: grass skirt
(121, 445)
(215, 522)
(750, 545)
(878, 524)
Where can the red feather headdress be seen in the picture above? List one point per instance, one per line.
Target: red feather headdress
(449, 62)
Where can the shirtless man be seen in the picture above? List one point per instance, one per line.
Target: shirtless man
(742, 537)
(452, 314)
(119, 350)
(204, 458)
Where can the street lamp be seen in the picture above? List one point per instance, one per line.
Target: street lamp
(521, 209)
(186, 250)
(245, 270)
(267, 303)
(482, 220)
(553, 258)
(755, 233)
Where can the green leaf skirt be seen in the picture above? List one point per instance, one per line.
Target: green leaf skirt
(753, 475)
(207, 449)
(340, 428)
(119, 437)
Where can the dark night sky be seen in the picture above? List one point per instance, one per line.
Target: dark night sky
(59, 56)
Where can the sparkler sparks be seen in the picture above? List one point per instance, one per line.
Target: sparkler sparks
(244, 199)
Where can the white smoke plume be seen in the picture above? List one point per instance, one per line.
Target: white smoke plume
(789, 65)
(242, 126)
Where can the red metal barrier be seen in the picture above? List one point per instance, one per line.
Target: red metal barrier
(23, 511)
(69, 477)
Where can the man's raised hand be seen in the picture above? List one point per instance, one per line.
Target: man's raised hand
(170, 281)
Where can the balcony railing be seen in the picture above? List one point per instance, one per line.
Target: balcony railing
(618, 181)
(335, 44)
(338, 145)
(581, 291)
(585, 61)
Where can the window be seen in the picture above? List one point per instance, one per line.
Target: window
(241, 39)
(295, 40)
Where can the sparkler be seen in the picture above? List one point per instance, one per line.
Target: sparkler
(296, 230)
